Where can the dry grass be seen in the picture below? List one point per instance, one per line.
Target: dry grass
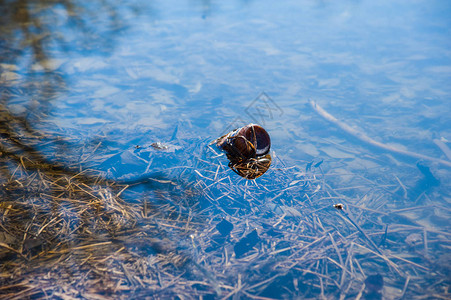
(69, 236)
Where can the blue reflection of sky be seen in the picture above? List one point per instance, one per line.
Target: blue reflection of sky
(200, 67)
(203, 63)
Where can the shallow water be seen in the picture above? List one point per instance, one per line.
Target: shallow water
(94, 84)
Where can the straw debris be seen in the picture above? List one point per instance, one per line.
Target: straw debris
(202, 231)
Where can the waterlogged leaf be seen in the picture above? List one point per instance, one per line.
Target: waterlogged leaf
(374, 283)
(246, 244)
(224, 227)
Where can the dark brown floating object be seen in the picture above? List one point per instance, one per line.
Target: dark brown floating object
(339, 206)
(247, 148)
(374, 285)
(246, 244)
(224, 227)
(247, 142)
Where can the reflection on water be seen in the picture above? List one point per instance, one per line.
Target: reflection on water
(37, 38)
(109, 186)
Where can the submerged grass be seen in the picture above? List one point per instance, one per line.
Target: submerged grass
(203, 232)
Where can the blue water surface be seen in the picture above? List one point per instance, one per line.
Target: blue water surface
(185, 72)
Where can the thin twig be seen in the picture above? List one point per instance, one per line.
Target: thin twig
(364, 138)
